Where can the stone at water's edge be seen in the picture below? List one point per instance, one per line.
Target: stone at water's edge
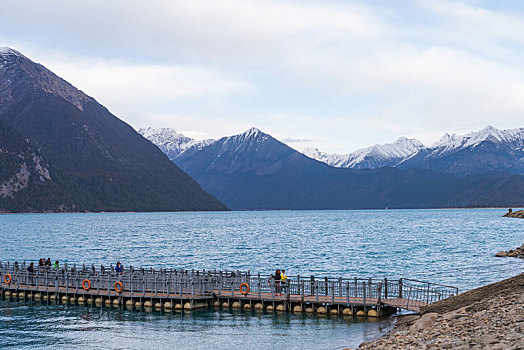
(426, 321)
(488, 317)
(514, 253)
(515, 214)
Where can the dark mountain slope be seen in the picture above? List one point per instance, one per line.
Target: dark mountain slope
(255, 171)
(25, 178)
(99, 153)
(475, 159)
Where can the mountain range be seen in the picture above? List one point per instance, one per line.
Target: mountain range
(60, 150)
(253, 170)
(489, 149)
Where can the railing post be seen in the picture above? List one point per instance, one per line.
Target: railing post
(364, 292)
(379, 290)
(259, 286)
(400, 288)
(385, 288)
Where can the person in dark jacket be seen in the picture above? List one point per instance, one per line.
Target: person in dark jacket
(277, 282)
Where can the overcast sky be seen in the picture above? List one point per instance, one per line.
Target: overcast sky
(336, 75)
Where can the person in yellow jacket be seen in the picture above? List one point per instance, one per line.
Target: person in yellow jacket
(283, 280)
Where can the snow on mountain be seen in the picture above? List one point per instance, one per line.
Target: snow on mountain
(489, 149)
(412, 153)
(172, 143)
(333, 159)
(9, 51)
(371, 157)
(250, 134)
(510, 137)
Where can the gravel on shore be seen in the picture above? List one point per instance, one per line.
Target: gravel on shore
(489, 317)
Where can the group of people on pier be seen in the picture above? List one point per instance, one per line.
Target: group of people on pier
(280, 280)
(43, 264)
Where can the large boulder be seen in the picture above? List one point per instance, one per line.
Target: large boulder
(426, 321)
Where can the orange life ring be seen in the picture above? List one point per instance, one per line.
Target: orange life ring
(118, 286)
(88, 284)
(7, 278)
(244, 292)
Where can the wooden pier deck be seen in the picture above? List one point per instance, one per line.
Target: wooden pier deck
(192, 289)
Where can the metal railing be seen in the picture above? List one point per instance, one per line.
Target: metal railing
(194, 284)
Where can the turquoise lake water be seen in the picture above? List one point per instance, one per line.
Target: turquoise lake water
(454, 247)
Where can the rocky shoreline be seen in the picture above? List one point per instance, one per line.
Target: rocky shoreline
(514, 214)
(489, 317)
(514, 253)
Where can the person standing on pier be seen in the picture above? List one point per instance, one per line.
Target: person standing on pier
(57, 265)
(118, 268)
(31, 270)
(277, 282)
(283, 280)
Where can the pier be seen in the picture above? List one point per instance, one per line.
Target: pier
(177, 289)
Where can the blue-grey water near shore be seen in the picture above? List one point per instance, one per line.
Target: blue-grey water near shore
(454, 247)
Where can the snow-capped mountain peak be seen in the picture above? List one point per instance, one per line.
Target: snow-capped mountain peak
(388, 154)
(251, 132)
(165, 135)
(489, 133)
(333, 159)
(9, 51)
(172, 143)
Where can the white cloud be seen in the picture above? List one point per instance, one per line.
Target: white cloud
(417, 68)
(134, 91)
